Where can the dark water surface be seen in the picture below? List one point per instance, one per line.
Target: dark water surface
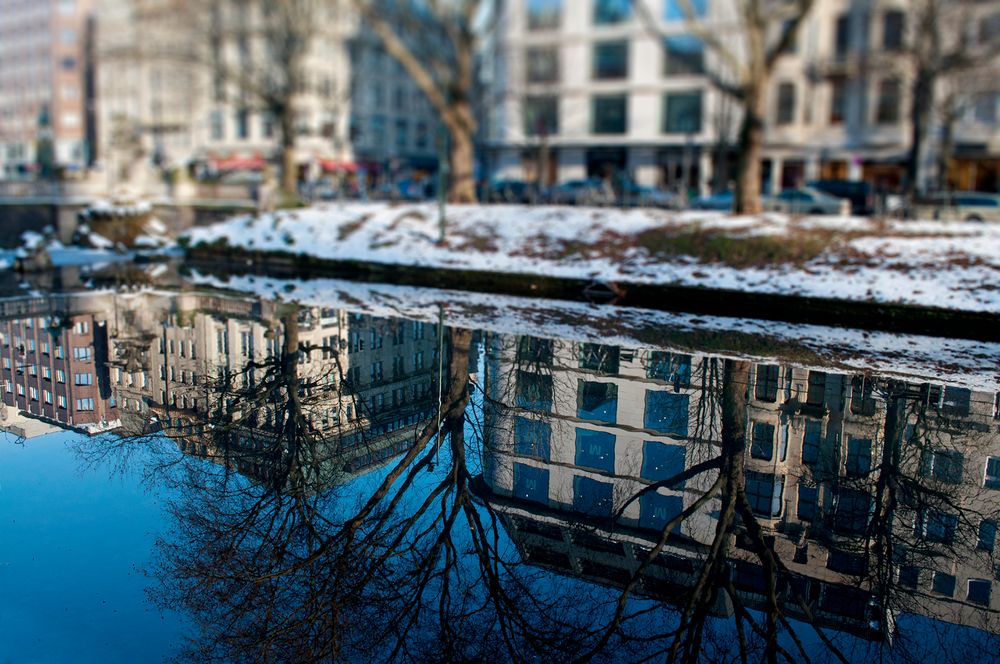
(260, 471)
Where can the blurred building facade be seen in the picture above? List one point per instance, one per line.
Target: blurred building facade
(46, 86)
(583, 88)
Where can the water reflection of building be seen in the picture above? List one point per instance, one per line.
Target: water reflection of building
(366, 384)
(53, 351)
(578, 430)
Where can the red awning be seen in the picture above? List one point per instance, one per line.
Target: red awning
(334, 166)
(240, 164)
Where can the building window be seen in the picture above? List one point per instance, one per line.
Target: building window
(842, 35)
(595, 449)
(676, 10)
(592, 496)
(987, 534)
(762, 441)
(609, 114)
(979, 591)
(597, 402)
(893, 25)
(402, 133)
(667, 412)
(683, 55)
(242, 124)
(888, 101)
(542, 65)
(610, 60)
(786, 104)
(84, 404)
(859, 457)
(543, 14)
(82, 353)
(765, 492)
(808, 496)
(989, 28)
(61, 400)
(656, 510)
(609, 12)
(682, 112)
(943, 584)
(661, 461)
(216, 128)
(811, 441)
(532, 437)
(531, 483)
(992, 479)
(83, 379)
(942, 465)
(937, 526)
(838, 99)
(541, 115)
(766, 384)
(534, 391)
(600, 358)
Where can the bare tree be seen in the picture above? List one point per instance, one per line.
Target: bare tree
(746, 56)
(435, 43)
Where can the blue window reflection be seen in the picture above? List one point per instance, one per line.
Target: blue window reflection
(592, 496)
(657, 510)
(667, 412)
(595, 449)
(597, 402)
(532, 437)
(531, 483)
(661, 461)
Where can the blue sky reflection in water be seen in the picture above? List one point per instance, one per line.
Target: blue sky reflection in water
(544, 500)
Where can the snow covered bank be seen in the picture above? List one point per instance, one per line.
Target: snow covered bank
(923, 263)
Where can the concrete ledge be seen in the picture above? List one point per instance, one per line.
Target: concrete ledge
(868, 315)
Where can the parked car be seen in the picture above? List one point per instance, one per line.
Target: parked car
(958, 206)
(722, 202)
(807, 200)
(581, 192)
(511, 191)
(860, 194)
(637, 195)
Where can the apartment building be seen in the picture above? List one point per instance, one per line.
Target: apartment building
(46, 85)
(588, 88)
(170, 101)
(564, 457)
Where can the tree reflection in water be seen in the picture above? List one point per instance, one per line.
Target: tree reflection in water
(565, 502)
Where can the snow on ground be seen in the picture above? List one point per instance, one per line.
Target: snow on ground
(957, 362)
(924, 263)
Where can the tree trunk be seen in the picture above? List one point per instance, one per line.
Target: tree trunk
(920, 111)
(289, 165)
(462, 186)
(751, 143)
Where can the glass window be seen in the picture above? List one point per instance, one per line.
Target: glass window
(531, 483)
(597, 401)
(684, 55)
(670, 367)
(786, 104)
(808, 496)
(892, 30)
(862, 402)
(657, 510)
(543, 14)
(610, 60)
(762, 441)
(534, 391)
(595, 449)
(242, 123)
(541, 115)
(766, 385)
(992, 480)
(532, 437)
(765, 492)
(942, 465)
(676, 10)
(600, 358)
(979, 591)
(987, 534)
(956, 400)
(667, 412)
(811, 440)
(937, 526)
(682, 112)
(838, 99)
(592, 496)
(542, 64)
(842, 35)
(817, 388)
(533, 349)
(216, 127)
(889, 99)
(943, 584)
(852, 510)
(609, 114)
(859, 456)
(608, 12)
(661, 461)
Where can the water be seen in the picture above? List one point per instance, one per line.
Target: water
(255, 472)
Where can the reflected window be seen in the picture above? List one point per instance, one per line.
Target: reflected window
(595, 449)
(936, 526)
(893, 25)
(859, 457)
(543, 14)
(979, 591)
(682, 112)
(667, 412)
(817, 388)
(992, 479)
(909, 576)
(684, 55)
(670, 367)
(811, 440)
(531, 483)
(956, 401)
(657, 510)
(609, 12)
(766, 385)
(542, 64)
(677, 10)
(541, 118)
(844, 600)
(534, 391)
(942, 465)
(808, 496)
(532, 437)
(592, 496)
(943, 584)
(762, 441)
(610, 60)
(845, 563)
(597, 402)
(987, 534)
(765, 492)
(852, 510)
(609, 114)
(532, 349)
(602, 359)
(661, 461)
(862, 402)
